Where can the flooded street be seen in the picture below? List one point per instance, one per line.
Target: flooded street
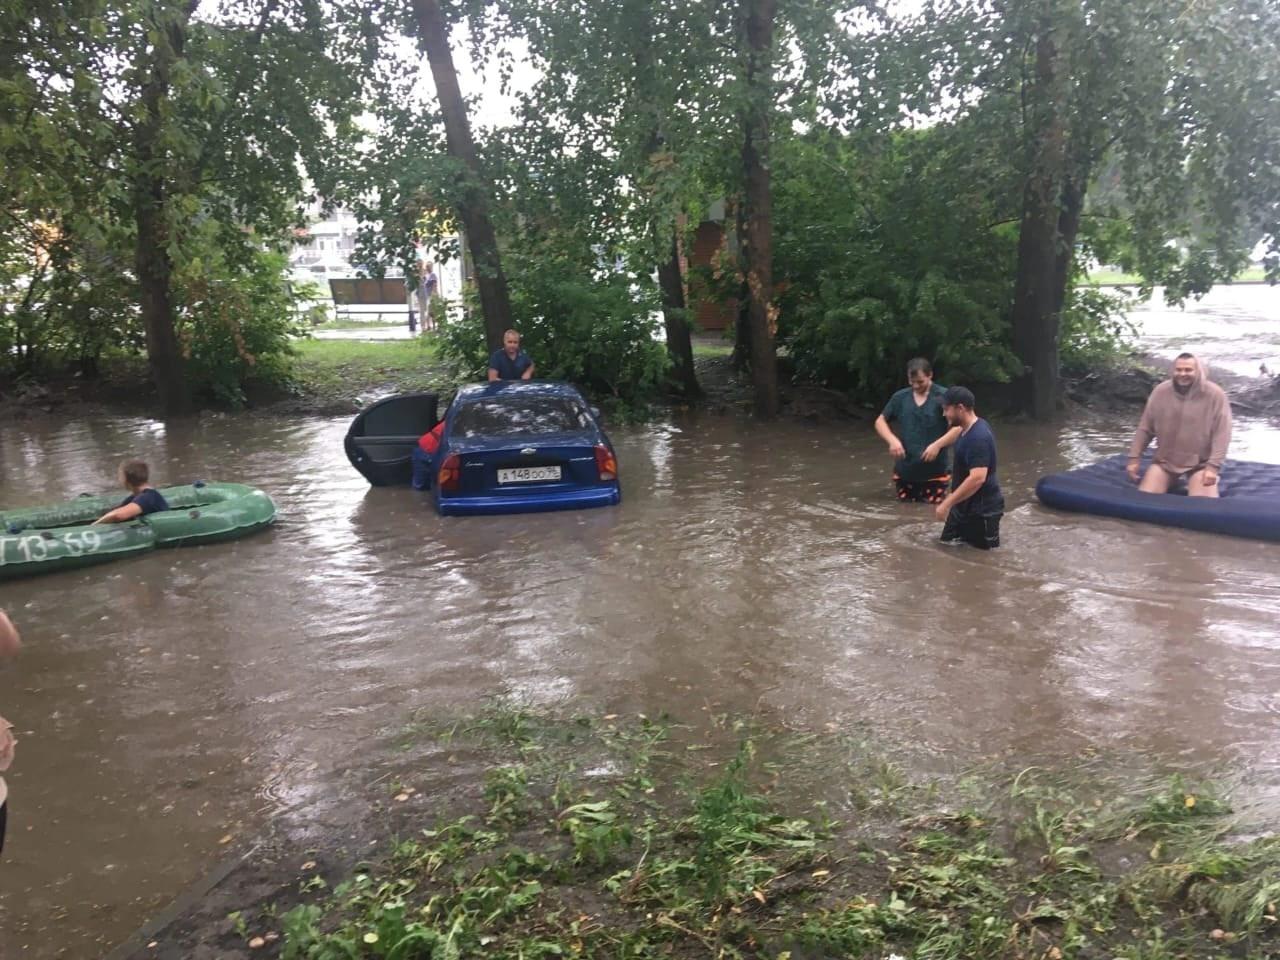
(1235, 328)
(168, 702)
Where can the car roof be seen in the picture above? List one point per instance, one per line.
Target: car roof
(518, 388)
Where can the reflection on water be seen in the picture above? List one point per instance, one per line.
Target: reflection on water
(168, 701)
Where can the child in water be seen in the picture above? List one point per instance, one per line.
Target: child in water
(143, 498)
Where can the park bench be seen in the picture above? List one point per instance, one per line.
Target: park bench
(365, 298)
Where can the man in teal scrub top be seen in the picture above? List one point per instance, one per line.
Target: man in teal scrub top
(921, 469)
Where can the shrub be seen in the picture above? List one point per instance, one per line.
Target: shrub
(1095, 330)
(593, 329)
(897, 258)
(236, 323)
(66, 300)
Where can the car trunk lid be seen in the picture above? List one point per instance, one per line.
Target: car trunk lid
(501, 464)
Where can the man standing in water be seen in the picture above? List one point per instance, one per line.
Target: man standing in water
(973, 508)
(510, 363)
(1190, 420)
(8, 647)
(919, 448)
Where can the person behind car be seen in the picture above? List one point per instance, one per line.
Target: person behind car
(423, 456)
(143, 498)
(919, 447)
(510, 363)
(1190, 420)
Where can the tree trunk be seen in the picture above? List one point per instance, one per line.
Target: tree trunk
(740, 360)
(1073, 190)
(665, 231)
(1036, 302)
(761, 313)
(152, 262)
(473, 207)
(676, 319)
(89, 345)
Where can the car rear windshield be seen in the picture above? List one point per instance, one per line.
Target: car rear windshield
(520, 416)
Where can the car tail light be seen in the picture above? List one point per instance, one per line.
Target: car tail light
(450, 475)
(606, 463)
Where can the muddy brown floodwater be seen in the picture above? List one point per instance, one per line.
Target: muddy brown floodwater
(169, 701)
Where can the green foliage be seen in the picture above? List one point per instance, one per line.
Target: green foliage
(206, 124)
(238, 323)
(737, 831)
(1096, 329)
(891, 238)
(1145, 128)
(718, 858)
(506, 789)
(70, 308)
(596, 830)
(587, 326)
(888, 254)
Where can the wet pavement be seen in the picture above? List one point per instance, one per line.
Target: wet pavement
(174, 701)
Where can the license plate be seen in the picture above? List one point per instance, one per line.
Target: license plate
(528, 474)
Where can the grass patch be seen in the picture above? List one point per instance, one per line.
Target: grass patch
(712, 349)
(643, 839)
(1254, 274)
(379, 353)
(342, 369)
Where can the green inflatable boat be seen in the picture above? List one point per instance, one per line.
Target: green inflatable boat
(43, 539)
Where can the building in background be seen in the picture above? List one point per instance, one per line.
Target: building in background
(709, 266)
(325, 249)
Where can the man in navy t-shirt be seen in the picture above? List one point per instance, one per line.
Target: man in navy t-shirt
(143, 498)
(510, 363)
(973, 508)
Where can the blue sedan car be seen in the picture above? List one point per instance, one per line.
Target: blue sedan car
(520, 446)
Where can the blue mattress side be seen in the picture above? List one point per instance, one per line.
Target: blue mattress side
(1249, 506)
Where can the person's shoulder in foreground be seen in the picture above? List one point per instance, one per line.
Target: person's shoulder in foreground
(9, 644)
(9, 641)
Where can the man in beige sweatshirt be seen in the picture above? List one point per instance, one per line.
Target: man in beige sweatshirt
(1190, 420)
